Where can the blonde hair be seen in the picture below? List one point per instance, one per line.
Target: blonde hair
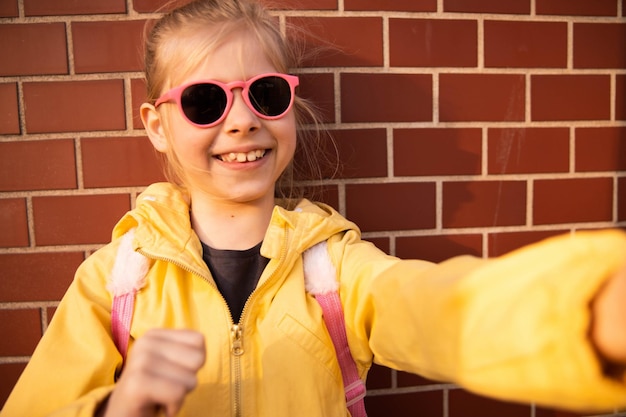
(172, 50)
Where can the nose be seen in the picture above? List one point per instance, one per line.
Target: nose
(240, 119)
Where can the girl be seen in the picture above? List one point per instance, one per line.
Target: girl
(223, 324)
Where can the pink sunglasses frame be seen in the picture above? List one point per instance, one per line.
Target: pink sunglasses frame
(174, 95)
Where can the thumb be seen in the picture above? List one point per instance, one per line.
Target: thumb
(171, 410)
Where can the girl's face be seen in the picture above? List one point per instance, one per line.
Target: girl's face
(240, 159)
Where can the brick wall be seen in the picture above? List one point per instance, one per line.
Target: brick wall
(464, 126)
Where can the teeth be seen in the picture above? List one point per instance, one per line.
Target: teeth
(243, 156)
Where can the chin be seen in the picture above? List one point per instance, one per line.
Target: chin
(250, 196)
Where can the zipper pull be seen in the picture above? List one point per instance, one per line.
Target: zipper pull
(236, 335)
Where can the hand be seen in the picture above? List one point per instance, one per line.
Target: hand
(608, 330)
(159, 373)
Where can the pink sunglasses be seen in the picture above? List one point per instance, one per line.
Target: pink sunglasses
(206, 103)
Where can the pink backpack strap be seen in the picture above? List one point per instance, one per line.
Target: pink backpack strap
(127, 277)
(321, 281)
(121, 316)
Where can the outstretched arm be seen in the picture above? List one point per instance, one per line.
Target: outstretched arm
(544, 324)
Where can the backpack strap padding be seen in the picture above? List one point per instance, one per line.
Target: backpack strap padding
(321, 281)
(127, 277)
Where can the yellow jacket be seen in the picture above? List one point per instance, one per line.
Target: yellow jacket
(514, 328)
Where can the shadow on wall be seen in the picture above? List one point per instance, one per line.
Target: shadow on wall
(384, 198)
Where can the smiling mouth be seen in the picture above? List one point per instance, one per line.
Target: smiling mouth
(242, 157)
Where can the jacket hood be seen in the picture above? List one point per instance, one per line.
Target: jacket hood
(162, 222)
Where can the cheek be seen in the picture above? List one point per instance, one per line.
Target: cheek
(189, 140)
(287, 135)
(291, 144)
(287, 150)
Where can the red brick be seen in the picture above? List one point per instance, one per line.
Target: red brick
(600, 45)
(13, 223)
(488, 6)
(573, 200)
(9, 374)
(119, 162)
(621, 199)
(577, 7)
(301, 4)
(381, 243)
(10, 120)
(378, 377)
(386, 98)
(334, 41)
(601, 149)
(570, 97)
(37, 165)
(462, 403)
(73, 106)
(327, 160)
(528, 150)
(9, 8)
(438, 248)
(620, 97)
(502, 243)
(328, 194)
(108, 46)
(37, 276)
(139, 96)
(484, 203)
(392, 5)
(162, 6)
(395, 206)
(423, 404)
(50, 313)
(21, 330)
(319, 89)
(547, 412)
(433, 43)
(481, 97)
(406, 379)
(362, 152)
(525, 44)
(437, 151)
(34, 48)
(73, 7)
(73, 220)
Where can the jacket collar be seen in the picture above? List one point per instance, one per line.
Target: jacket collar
(163, 226)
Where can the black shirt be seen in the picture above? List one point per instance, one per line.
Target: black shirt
(236, 273)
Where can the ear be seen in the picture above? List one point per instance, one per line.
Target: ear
(151, 119)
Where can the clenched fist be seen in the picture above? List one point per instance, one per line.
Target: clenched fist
(159, 373)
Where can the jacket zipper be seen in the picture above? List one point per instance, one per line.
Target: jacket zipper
(236, 330)
(237, 349)
(178, 264)
(236, 337)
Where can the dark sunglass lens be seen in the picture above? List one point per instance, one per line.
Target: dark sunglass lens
(203, 104)
(270, 95)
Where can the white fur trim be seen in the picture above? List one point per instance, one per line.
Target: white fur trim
(130, 268)
(320, 275)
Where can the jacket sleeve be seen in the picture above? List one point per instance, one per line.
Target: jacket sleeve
(73, 367)
(514, 328)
